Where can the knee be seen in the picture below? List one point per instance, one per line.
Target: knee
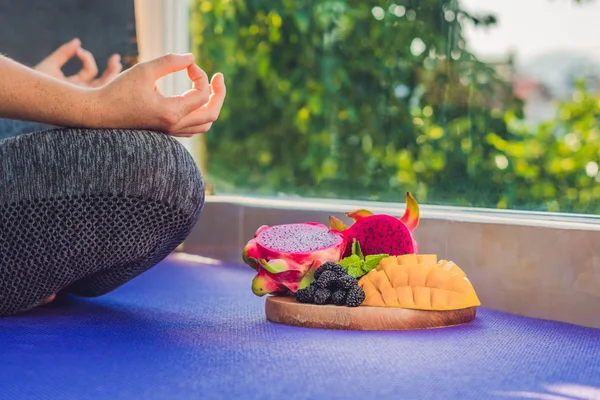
(80, 162)
(90, 210)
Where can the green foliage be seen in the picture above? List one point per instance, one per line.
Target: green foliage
(357, 264)
(556, 167)
(368, 99)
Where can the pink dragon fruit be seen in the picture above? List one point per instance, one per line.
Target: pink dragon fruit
(286, 256)
(381, 233)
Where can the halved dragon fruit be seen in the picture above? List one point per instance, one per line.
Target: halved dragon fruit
(286, 256)
(381, 233)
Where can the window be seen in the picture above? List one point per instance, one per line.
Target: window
(476, 103)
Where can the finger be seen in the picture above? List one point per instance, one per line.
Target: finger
(198, 76)
(194, 129)
(113, 68)
(217, 94)
(210, 111)
(90, 69)
(64, 53)
(168, 64)
(199, 95)
(186, 135)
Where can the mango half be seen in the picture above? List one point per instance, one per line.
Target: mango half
(418, 282)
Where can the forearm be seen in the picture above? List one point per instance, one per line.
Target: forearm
(26, 94)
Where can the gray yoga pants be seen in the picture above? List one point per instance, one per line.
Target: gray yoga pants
(85, 211)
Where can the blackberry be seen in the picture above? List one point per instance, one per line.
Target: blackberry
(339, 270)
(346, 282)
(355, 296)
(326, 280)
(338, 297)
(321, 296)
(330, 266)
(306, 295)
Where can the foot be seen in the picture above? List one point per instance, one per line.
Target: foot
(48, 300)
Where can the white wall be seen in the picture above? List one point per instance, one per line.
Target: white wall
(163, 27)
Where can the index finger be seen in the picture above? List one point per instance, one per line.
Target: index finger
(167, 64)
(65, 52)
(199, 94)
(198, 76)
(210, 111)
(212, 108)
(89, 68)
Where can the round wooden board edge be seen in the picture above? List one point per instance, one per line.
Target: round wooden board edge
(287, 311)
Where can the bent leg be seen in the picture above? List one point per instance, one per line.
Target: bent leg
(85, 211)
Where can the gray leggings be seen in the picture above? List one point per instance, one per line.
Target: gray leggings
(85, 211)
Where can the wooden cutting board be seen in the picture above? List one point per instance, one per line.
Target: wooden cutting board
(286, 310)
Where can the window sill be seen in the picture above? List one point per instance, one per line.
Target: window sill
(538, 265)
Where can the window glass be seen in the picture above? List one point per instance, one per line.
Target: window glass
(480, 103)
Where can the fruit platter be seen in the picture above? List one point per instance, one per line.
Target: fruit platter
(368, 276)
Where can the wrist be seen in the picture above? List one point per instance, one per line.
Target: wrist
(88, 108)
(103, 108)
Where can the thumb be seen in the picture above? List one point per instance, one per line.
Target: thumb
(65, 52)
(168, 64)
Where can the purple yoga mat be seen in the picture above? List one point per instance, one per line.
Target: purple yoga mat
(189, 331)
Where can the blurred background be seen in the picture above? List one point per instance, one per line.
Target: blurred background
(474, 103)
(480, 103)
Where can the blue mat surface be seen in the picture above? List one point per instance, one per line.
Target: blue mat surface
(190, 331)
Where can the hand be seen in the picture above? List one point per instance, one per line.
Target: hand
(52, 65)
(131, 100)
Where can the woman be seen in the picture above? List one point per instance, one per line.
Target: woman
(86, 207)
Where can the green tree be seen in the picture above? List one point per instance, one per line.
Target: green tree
(554, 168)
(367, 99)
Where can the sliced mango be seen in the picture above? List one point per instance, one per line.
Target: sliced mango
(417, 275)
(451, 267)
(373, 293)
(427, 259)
(422, 296)
(437, 278)
(389, 272)
(399, 277)
(440, 299)
(460, 284)
(418, 282)
(389, 297)
(381, 281)
(388, 261)
(405, 296)
(406, 259)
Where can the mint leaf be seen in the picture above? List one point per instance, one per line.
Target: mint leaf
(358, 265)
(346, 262)
(354, 263)
(355, 271)
(356, 249)
(372, 261)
